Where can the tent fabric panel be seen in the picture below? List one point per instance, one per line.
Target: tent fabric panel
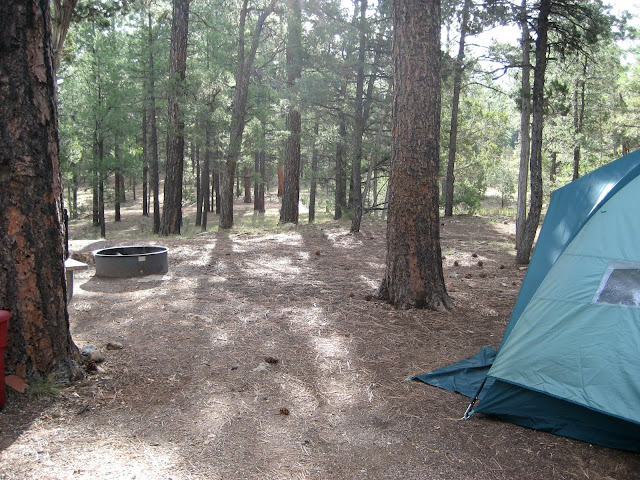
(586, 354)
(612, 232)
(574, 279)
(569, 209)
(538, 411)
(465, 377)
(567, 346)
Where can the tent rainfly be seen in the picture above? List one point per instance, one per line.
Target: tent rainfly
(569, 361)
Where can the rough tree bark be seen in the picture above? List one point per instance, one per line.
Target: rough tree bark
(455, 106)
(32, 278)
(291, 194)
(414, 276)
(291, 191)
(172, 207)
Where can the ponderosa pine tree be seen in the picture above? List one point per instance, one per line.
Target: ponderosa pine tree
(291, 187)
(414, 276)
(172, 207)
(32, 278)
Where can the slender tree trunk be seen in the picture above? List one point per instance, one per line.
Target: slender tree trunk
(32, 278)
(145, 162)
(205, 180)
(341, 188)
(263, 173)
(374, 158)
(375, 193)
(256, 180)
(154, 177)
(314, 174)
(258, 204)
(172, 207)
(117, 185)
(455, 106)
(103, 227)
(237, 177)
(525, 128)
(199, 189)
(554, 167)
(414, 276)
(578, 118)
(523, 252)
(74, 208)
(247, 185)
(243, 73)
(95, 179)
(356, 175)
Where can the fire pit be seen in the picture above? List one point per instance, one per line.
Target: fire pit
(137, 261)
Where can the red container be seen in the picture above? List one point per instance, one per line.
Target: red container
(4, 325)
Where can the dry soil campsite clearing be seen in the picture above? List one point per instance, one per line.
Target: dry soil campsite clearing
(191, 395)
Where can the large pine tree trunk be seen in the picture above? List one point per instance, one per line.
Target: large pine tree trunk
(172, 207)
(291, 194)
(32, 277)
(291, 191)
(455, 106)
(414, 276)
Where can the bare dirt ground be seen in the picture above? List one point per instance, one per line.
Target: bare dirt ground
(192, 396)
